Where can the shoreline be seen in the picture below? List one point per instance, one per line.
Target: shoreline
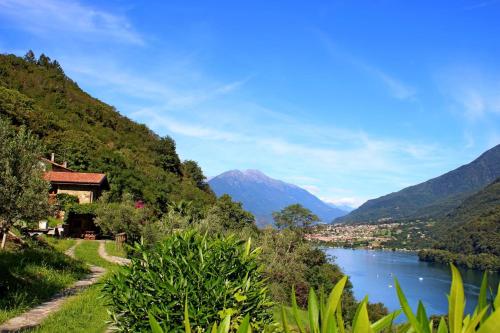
(340, 246)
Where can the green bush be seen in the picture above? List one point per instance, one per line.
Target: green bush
(118, 217)
(64, 200)
(218, 277)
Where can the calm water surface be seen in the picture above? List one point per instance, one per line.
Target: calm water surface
(372, 273)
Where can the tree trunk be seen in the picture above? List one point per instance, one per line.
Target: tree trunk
(4, 238)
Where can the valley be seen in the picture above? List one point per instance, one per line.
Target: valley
(239, 167)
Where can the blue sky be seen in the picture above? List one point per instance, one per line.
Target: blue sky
(348, 99)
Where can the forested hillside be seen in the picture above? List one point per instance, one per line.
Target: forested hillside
(92, 136)
(474, 227)
(434, 198)
(470, 234)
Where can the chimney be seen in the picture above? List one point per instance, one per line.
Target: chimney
(52, 157)
(65, 164)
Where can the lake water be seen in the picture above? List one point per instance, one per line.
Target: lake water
(372, 273)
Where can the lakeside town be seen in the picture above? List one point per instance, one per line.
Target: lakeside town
(385, 234)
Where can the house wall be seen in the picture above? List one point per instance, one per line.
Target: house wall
(85, 194)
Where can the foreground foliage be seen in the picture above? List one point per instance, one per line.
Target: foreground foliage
(325, 315)
(218, 276)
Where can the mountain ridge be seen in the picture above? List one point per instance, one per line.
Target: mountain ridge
(435, 197)
(262, 195)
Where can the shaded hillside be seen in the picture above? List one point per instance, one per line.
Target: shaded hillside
(433, 198)
(474, 226)
(262, 195)
(471, 238)
(92, 136)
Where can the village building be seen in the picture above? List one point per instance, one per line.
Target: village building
(85, 186)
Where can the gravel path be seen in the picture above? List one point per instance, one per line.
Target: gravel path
(110, 258)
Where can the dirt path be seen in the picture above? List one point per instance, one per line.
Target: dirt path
(112, 259)
(35, 316)
(71, 251)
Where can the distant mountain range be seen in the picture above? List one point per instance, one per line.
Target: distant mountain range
(262, 195)
(435, 198)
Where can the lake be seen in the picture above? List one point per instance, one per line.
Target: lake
(372, 272)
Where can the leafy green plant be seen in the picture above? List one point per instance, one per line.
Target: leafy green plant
(482, 320)
(224, 327)
(326, 317)
(218, 276)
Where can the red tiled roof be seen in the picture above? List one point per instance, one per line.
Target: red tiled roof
(74, 177)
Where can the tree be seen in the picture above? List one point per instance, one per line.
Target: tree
(230, 215)
(117, 217)
(30, 57)
(294, 216)
(168, 158)
(43, 60)
(192, 170)
(23, 191)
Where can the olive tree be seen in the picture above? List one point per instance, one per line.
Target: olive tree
(23, 191)
(294, 216)
(123, 216)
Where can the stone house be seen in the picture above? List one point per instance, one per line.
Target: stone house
(86, 186)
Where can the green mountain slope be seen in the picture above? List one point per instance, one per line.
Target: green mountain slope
(471, 236)
(92, 136)
(474, 226)
(481, 205)
(434, 198)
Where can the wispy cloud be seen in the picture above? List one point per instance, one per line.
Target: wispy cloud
(71, 18)
(183, 92)
(481, 4)
(474, 93)
(353, 153)
(396, 87)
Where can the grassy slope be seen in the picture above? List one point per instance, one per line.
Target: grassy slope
(85, 312)
(32, 275)
(87, 251)
(60, 244)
